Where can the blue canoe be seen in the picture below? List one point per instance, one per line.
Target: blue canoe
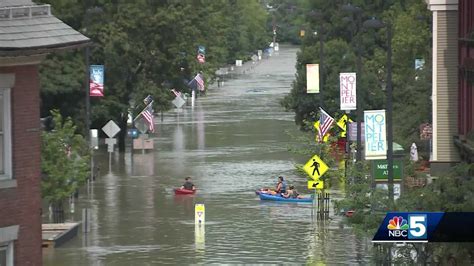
(264, 196)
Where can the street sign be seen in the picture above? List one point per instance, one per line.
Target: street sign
(110, 144)
(380, 170)
(199, 213)
(178, 102)
(315, 167)
(316, 184)
(326, 137)
(342, 124)
(111, 129)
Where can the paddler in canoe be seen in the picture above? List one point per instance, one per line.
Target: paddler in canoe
(280, 187)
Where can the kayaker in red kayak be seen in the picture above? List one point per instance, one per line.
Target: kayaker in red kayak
(188, 184)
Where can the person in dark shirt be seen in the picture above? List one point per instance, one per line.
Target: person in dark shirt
(188, 184)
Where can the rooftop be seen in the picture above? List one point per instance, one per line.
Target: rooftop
(27, 28)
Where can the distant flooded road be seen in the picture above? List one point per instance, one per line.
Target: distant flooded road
(232, 142)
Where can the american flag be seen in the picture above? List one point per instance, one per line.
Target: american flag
(176, 93)
(148, 99)
(325, 123)
(147, 113)
(200, 81)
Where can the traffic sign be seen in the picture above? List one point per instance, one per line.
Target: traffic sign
(199, 213)
(326, 137)
(178, 102)
(316, 184)
(111, 129)
(342, 124)
(315, 167)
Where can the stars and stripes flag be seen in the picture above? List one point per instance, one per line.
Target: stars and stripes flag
(197, 82)
(148, 99)
(147, 113)
(200, 81)
(325, 123)
(176, 93)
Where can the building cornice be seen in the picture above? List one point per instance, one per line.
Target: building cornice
(442, 5)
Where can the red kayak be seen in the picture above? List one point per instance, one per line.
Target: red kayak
(179, 191)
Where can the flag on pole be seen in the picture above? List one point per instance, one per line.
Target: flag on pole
(197, 82)
(148, 99)
(325, 122)
(147, 113)
(176, 93)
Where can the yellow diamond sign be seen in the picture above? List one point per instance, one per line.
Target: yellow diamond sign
(315, 167)
(316, 184)
(342, 122)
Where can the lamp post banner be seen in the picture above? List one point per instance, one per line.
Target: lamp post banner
(347, 90)
(96, 81)
(312, 78)
(375, 135)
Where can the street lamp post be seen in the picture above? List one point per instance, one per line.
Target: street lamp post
(357, 13)
(377, 24)
(317, 16)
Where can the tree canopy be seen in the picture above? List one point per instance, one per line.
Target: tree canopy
(147, 47)
(338, 28)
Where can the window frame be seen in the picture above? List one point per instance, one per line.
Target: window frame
(8, 247)
(7, 135)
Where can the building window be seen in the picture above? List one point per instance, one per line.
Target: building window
(5, 135)
(6, 254)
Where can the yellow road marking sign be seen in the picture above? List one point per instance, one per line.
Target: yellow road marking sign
(316, 184)
(315, 167)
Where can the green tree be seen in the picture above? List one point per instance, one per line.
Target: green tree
(64, 161)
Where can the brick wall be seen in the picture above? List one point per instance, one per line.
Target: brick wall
(21, 205)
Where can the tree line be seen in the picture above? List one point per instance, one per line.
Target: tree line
(147, 47)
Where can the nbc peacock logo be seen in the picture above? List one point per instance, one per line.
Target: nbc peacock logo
(397, 227)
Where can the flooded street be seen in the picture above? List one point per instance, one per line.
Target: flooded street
(232, 142)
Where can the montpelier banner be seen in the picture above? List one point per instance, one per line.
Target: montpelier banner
(312, 78)
(375, 135)
(347, 90)
(96, 81)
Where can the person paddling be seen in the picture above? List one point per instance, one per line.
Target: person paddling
(281, 186)
(188, 184)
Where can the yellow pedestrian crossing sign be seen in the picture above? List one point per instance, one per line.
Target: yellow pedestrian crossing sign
(342, 124)
(315, 167)
(316, 126)
(316, 184)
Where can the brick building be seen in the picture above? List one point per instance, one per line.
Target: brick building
(28, 32)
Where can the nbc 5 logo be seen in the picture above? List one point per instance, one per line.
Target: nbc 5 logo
(418, 226)
(414, 228)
